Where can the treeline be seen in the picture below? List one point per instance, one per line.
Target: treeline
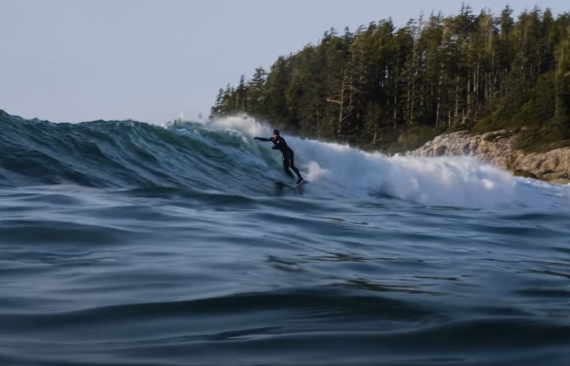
(392, 89)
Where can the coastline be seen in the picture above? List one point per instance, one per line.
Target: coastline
(498, 149)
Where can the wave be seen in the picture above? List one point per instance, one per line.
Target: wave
(292, 326)
(221, 156)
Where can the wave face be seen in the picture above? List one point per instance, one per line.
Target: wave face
(124, 243)
(222, 156)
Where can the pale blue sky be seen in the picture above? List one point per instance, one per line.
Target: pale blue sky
(150, 60)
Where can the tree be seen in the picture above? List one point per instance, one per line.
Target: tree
(379, 85)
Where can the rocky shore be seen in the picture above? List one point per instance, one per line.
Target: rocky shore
(497, 149)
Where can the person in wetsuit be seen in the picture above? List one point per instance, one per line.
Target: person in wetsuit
(288, 155)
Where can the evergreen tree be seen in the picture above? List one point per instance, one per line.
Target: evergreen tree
(385, 88)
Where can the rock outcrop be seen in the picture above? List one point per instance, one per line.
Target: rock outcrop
(498, 149)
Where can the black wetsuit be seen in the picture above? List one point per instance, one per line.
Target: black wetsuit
(288, 155)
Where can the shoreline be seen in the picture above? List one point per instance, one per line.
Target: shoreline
(498, 149)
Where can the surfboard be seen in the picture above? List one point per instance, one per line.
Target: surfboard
(300, 184)
(282, 184)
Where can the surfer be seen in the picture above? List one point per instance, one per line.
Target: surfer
(288, 155)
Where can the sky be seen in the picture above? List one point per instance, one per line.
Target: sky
(156, 60)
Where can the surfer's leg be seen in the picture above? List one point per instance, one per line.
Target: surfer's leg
(286, 166)
(292, 162)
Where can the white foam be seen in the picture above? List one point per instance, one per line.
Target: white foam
(245, 124)
(467, 182)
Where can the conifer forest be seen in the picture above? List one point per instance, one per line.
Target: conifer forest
(392, 89)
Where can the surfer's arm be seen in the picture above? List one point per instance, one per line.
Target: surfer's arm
(262, 138)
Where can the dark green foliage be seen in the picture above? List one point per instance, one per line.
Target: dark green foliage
(389, 89)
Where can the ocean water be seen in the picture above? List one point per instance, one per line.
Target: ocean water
(125, 243)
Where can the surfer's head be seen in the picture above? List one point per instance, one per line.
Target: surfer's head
(275, 133)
